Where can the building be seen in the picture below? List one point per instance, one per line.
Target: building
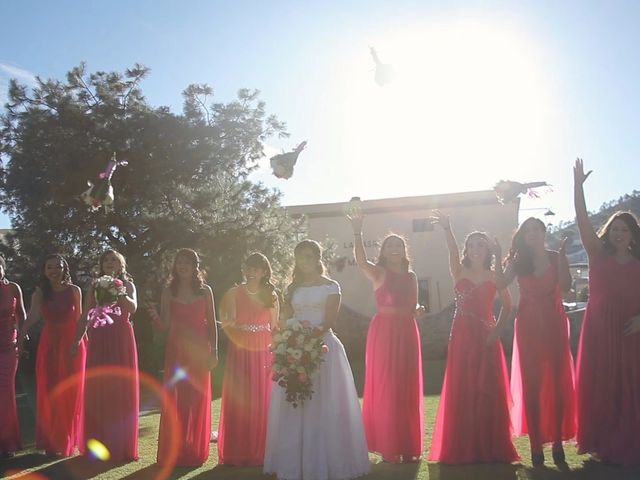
(409, 217)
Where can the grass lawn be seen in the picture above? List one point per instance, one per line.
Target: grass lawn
(32, 465)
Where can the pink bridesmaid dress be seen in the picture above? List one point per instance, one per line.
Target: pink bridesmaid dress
(187, 380)
(59, 377)
(247, 385)
(542, 378)
(9, 427)
(393, 399)
(472, 423)
(608, 368)
(112, 398)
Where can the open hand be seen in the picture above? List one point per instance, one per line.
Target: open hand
(441, 219)
(579, 177)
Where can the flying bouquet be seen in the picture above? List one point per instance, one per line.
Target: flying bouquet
(298, 351)
(106, 290)
(283, 163)
(101, 194)
(507, 190)
(384, 72)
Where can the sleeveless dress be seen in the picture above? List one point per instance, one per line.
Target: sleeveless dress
(542, 379)
(59, 377)
(392, 406)
(472, 424)
(112, 398)
(247, 385)
(187, 380)
(9, 427)
(608, 369)
(324, 437)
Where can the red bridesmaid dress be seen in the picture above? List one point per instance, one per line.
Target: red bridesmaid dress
(59, 377)
(542, 378)
(9, 427)
(247, 385)
(608, 369)
(112, 397)
(472, 423)
(393, 400)
(187, 381)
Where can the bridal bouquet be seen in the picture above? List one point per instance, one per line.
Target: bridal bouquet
(106, 290)
(297, 353)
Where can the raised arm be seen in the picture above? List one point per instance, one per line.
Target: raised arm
(371, 271)
(504, 275)
(455, 267)
(588, 236)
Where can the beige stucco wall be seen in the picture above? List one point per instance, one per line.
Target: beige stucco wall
(469, 211)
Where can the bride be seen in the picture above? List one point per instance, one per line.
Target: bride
(322, 438)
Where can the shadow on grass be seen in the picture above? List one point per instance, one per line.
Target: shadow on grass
(494, 471)
(53, 467)
(590, 470)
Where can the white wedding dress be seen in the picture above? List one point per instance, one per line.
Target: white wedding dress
(322, 439)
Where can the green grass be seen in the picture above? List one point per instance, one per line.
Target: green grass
(31, 465)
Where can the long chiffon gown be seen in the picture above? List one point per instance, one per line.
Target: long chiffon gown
(187, 381)
(542, 378)
(472, 423)
(393, 399)
(9, 427)
(112, 398)
(247, 385)
(608, 369)
(59, 377)
(323, 438)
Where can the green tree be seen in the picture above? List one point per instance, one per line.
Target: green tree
(186, 184)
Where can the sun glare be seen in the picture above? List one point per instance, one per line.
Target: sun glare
(469, 105)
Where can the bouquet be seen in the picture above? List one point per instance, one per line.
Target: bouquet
(507, 190)
(297, 354)
(106, 290)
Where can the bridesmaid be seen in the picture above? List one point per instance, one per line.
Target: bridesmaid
(249, 312)
(112, 399)
(608, 367)
(542, 380)
(187, 309)
(393, 400)
(59, 376)
(472, 424)
(12, 316)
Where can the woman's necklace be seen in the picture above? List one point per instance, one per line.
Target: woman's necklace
(246, 287)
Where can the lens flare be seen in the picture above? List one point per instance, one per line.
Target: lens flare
(179, 375)
(98, 450)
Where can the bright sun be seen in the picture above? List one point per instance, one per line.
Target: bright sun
(469, 105)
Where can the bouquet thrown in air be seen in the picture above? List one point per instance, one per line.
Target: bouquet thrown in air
(298, 350)
(508, 190)
(107, 290)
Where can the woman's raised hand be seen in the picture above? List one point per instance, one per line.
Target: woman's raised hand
(579, 177)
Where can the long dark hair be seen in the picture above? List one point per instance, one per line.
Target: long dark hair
(197, 279)
(466, 262)
(122, 274)
(296, 275)
(267, 294)
(632, 224)
(43, 281)
(382, 260)
(520, 253)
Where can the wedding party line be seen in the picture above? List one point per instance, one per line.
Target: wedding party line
(289, 401)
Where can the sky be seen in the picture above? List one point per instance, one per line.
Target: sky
(483, 90)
